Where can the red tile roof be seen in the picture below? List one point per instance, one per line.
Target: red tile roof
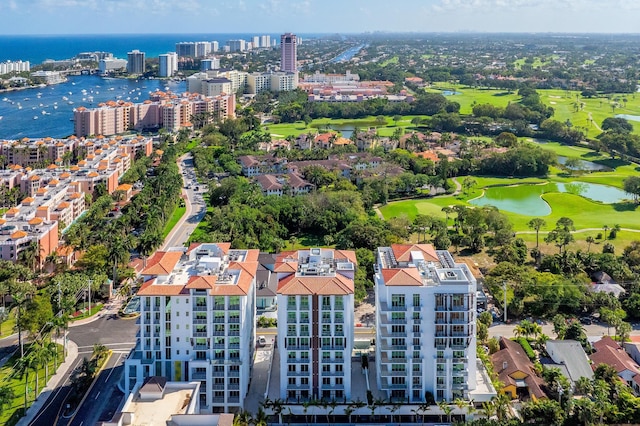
(162, 263)
(312, 285)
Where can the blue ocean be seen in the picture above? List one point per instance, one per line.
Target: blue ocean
(48, 111)
(37, 48)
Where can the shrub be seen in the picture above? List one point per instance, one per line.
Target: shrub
(527, 348)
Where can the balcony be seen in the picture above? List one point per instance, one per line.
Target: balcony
(234, 333)
(234, 320)
(233, 373)
(218, 333)
(234, 345)
(332, 374)
(234, 307)
(200, 334)
(233, 400)
(298, 360)
(218, 346)
(197, 321)
(218, 320)
(200, 308)
(217, 374)
(233, 386)
(386, 347)
(218, 387)
(204, 347)
(298, 347)
(219, 307)
(297, 373)
(199, 376)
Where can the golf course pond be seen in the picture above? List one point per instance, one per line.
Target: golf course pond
(527, 199)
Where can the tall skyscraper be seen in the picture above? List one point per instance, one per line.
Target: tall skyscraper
(214, 46)
(135, 62)
(289, 52)
(255, 41)
(168, 64)
(265, 41)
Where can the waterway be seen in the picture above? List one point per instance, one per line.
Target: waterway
(48, 111)
(527, 198)
(348, 54)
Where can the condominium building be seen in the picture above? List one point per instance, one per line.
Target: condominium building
(315, 323)
(274, 81)
(237, 78)
(203, 48)
(255, 42)
(237, 45)
(197, 322)
(289, 52)
(135, 62)
(186, 49)
(17, 66)
(108, 65)
(425, 324)
(210, 64)
(265, 41)
(168, 64)
(214, 46)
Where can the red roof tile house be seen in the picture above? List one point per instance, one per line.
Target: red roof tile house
(609, 352)
(516, 371)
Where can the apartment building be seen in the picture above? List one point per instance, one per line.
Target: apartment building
(197, 322)
(110, 65)
(196, 81)
(274, 81)
(425, 324)
(168, 64)
(16, 66)
(315, 323)
(166, 110)
(135, 62)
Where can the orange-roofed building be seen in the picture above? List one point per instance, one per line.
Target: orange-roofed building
(427, 301)
(315, 296)
(204, 296)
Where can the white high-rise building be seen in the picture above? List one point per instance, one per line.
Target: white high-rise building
(214, 46)
(135, 62)
(203, 48)
(288, 52)
(265, 41)
(107, 65)
(197, 322)
(210, 64)
(425, 324)
(315, 323)
(255, 41)
(18, 66)
(168, 64)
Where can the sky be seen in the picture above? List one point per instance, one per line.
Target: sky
(316, 16)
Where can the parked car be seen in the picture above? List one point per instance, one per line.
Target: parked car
(586, 320)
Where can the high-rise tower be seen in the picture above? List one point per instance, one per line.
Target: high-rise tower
(289, 52)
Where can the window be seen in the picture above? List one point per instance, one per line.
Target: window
(304, 380)
(397, 316)
(397, 300)
(397, 381)
(339, 368)
(416, 341)
(416, 300)
(292, 368)
(304, 368)
(326, 356)
(291, 355)
(326, 302)
(292, 381)
(326, 381)
(304, 303)
(304, 317)
(398, 367)
(338, 380)
(338, 303)
(397, 329)
(326, 368)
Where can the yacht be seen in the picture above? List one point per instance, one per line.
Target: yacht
(35, 117)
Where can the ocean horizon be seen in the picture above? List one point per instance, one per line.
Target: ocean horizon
(38, 48)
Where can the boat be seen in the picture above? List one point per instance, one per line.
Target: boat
(64, 98)
(43, 112)
(1, 117)
(55, 107)
(35, 117)
(70, 102)
(5, 99)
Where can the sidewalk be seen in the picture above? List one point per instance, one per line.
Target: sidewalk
(54, 381)
(109, 308)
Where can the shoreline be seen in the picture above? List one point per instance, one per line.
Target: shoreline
(37, 86)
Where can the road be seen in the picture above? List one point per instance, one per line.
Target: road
(117, 334)
(196, 208)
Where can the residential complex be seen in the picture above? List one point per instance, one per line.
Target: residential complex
(55, 196)
(315, 323)
(197, 322)
(109, 65)
(425, 324)
(135, 62)
(164, 110)
(272, 81)
(289, 53)
(168, 64)
(17, 66)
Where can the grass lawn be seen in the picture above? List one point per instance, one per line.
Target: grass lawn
(392, 60)
(199, 235)
(95, 308)
(13, 411)
(6, 328)
(175, 217)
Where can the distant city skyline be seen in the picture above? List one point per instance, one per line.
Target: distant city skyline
(20, 17)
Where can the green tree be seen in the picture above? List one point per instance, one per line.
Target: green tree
(6, 397)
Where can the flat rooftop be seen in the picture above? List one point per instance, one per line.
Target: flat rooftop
(147, 413)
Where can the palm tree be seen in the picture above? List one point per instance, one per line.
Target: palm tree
(536, 224)
(21, 293)
(590, 240)
(447, 210)
(489, 408)
(21, 369)
(261, 418)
